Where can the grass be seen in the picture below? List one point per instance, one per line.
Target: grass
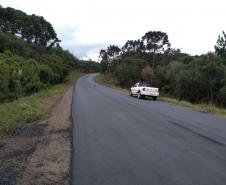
(199, 107)
(16, 114)
(109, 81)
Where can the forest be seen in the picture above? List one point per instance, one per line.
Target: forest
(31, 58)
(197, 79)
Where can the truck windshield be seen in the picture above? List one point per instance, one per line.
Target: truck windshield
(144, 85)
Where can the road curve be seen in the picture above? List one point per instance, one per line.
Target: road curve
(120, 140)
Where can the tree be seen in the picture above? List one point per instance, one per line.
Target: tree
(46, 74)
(155, 41)
(113, 52)
(129, 71)
(89, 66)
(104, 61)
(147, 74)
(30, 55)
(220, 46)
(202, 79)
(109, 58)
(173, 71)
(197, 79)
(32, 28)
(133, 46)
(222, 96)
(4, 81)
(213, 74)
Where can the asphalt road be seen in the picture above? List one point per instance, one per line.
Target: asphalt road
(120, 140)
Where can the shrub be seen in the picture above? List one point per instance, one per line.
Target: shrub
(4, 81)
(46, 74)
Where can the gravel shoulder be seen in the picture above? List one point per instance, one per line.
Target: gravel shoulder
(40, 152)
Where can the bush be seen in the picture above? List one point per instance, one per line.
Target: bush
(20, 77)
(30, 59)
(60, 70)
(222, 96)
(4, 81)
(129, 71)
(46, 74)
(147, 74)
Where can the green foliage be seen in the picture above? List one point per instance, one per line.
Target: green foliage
(109, 81)
(133, 46)
(21, 76)
(89, 66)
(172, 73)
(67, 57)
(113, 51)
(109, 58)
(220, 46)
(4, 80)
(197, 79)
(16, 114)
(222, 96)
(105, 62)
(13, 44)
(155, 42)
(31, 28)
(147, 74)
(46, 74)
(31, 61)
(29, 77)
(59, 68)
(204, 77)
(129, 70)
(31, 58)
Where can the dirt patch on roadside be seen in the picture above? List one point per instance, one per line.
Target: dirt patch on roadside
(40, 152)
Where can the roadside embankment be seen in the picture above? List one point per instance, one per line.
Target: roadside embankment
(40, 152)
(109, 81)
(16, 114)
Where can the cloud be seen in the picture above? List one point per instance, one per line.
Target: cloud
(86, 51)
(85, 26)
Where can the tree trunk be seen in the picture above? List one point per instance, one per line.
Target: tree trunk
(211, 96)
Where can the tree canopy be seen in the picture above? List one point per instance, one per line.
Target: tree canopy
(220, 46)
(31, 58)
(33, 29)
(198, 79)
(155, 42)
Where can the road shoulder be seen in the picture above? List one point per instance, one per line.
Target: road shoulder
(40, 152)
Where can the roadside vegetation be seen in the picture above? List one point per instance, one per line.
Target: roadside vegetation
(34, 68)
(110, 81)
(31, 58)
(15, 114)
(199, 80)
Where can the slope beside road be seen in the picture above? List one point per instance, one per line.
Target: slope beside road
(39, 152)
(120, 140)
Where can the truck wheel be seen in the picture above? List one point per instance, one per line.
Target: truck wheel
(154, 98)
(131, 94)
(139, 96)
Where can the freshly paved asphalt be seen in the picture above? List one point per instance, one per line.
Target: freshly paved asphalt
(120, 140)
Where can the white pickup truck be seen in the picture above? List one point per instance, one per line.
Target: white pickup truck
(142, 89)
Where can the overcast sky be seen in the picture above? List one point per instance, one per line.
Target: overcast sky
(86, 26)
